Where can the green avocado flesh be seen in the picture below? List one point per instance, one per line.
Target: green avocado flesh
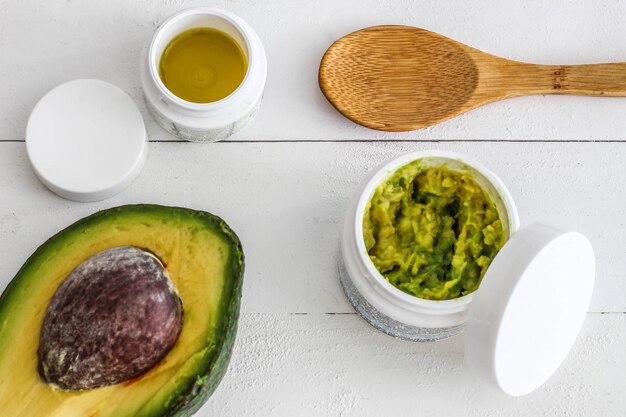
(204, 260)
(432, 231)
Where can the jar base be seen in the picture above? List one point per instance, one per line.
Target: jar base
(386, 324)
(201, 135)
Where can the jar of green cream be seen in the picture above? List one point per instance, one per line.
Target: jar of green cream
(432, 246)
(419, 234)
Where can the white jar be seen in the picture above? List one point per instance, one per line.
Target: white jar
(380, 303)
(205, 122)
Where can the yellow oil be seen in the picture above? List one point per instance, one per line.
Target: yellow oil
(202, 65)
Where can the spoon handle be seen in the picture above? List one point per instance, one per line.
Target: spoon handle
(519, 79)
(591, 80)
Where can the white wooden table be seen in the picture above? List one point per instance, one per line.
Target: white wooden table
(283, 183)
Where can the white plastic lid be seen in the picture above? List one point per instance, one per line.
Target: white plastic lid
(86, 140)
(530, 308)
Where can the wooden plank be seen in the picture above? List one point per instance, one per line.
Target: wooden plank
(47, 42)
(321, 365)
(287, 202)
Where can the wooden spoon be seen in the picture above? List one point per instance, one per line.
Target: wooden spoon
(398, 78)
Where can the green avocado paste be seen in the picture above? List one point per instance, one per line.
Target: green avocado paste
(432, 231)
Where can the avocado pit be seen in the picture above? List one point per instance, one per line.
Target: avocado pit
(111, 320)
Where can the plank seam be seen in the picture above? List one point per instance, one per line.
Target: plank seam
(300, 313)
(379, 141)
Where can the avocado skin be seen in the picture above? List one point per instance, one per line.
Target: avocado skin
(189, 400)
(198, 394)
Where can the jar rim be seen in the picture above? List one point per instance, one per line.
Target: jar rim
(387, 169)
(232, 19)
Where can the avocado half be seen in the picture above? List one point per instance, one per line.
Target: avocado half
(204, 259)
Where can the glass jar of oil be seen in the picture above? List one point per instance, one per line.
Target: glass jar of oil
(204, 74)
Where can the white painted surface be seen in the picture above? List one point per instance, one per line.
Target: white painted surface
(46, 42)
(338, 366)
(287, 200)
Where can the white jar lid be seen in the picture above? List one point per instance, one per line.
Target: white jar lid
(86, 140)
(530, 308)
